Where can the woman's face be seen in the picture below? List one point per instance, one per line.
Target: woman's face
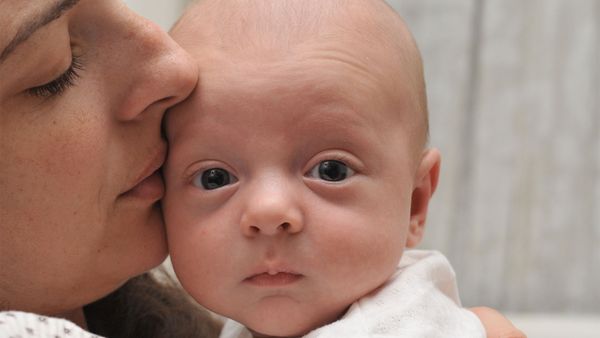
(83, 88)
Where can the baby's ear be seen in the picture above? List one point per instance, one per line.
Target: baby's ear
(426, 180)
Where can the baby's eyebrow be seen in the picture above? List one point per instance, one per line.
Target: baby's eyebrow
(27, 30)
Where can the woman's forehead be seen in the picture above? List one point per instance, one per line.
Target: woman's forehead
(13, 14)
(21, 19)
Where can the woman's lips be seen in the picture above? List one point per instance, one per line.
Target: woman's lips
(149, 185)
(150, 188)
(267, 279)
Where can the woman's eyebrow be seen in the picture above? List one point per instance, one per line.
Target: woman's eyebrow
(26, 30)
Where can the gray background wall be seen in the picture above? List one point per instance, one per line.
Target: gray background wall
(514, 89)
(514, 94)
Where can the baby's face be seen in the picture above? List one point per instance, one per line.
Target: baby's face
(288, 190)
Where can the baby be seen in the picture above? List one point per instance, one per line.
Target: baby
(298, 173)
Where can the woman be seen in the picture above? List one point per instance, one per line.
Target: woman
(84, 85)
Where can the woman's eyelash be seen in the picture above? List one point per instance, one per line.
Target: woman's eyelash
(60, 84)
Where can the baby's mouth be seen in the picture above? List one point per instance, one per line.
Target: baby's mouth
(273, 279)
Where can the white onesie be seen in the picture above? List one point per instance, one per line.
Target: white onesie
(15, 324)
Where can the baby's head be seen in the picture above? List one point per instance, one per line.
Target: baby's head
(297, 172)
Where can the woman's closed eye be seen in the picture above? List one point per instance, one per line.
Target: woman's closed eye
(331, 171)
(60, 84)
(214, 178)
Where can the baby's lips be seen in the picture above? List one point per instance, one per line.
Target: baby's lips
(273, 279)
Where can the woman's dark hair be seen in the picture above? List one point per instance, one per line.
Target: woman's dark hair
(147, 307)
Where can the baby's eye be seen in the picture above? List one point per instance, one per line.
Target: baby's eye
(214, 178)
(331, 170)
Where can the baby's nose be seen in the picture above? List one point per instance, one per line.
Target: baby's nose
(271, 210)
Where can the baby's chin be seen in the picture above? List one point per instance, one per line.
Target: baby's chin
(280, 333)
(268, 329)
(291, 325)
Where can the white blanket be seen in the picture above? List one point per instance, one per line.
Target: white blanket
(419, 300)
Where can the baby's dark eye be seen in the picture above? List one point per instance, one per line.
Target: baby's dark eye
(331, 171)
(214, 178)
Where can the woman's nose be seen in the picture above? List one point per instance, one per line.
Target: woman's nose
(271, 209)
(160, 72)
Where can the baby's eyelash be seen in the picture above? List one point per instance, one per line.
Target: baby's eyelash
(341, 158)
(60, 84)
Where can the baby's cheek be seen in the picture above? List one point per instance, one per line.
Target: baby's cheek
(174, 201)
(185, 243)
(200, 264)
(188, 235)
(177, 216)
(360, 246)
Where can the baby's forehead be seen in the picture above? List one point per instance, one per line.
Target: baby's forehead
(360, 44)
(294, 95)
(276, 26)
